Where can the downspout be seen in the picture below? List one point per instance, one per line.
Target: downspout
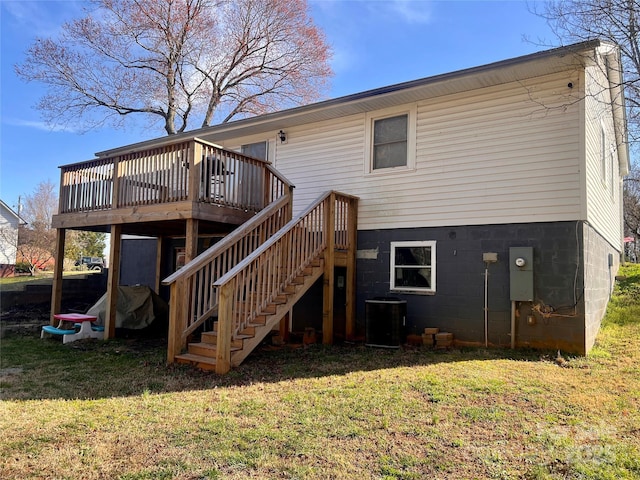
(486, 304)
(487, 258)
(513, 324)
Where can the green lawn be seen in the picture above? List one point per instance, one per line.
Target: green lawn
(96, 410)
(41, 278)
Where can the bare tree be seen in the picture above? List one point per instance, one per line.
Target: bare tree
(616, 21)
(36, 239)
(172, 60)
(631, 199)
(35, 248)
(40, 206)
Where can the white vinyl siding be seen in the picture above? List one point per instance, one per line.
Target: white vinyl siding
(494, 155)
(322, 156)
(603, 190)
(8, 236)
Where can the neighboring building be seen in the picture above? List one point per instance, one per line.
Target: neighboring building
(9, 223)
(489, 198)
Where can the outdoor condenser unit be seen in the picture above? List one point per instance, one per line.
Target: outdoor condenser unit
(385, 320)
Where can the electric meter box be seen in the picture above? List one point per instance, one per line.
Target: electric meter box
(521, 274)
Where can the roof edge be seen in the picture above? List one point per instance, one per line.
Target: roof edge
(355, 97)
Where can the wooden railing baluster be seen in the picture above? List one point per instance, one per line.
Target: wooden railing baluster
(271, 268)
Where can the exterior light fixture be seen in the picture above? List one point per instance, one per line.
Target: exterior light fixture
(282, 136)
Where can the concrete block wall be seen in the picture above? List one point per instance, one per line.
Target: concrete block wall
(81, 290)
(601, 263)
(458, 304)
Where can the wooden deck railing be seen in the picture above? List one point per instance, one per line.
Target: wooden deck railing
(194, 298)
(256, 281)
(190, 170)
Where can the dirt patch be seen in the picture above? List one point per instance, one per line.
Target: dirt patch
(8, 372)
(23, 320)
(28, 319)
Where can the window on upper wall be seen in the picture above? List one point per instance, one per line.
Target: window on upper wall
(391, 140)
(603, 155)
(256, 150)
(612, 168)
(413, 266)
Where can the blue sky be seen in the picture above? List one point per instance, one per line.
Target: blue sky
(375, 43)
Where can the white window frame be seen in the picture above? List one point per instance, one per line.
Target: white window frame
(371, 118)
(392, 275)
(612, 169)
(603, 155)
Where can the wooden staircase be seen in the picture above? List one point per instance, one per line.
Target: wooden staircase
(252, 279)
(203, 354)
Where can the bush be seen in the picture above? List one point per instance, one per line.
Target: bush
(23, 267)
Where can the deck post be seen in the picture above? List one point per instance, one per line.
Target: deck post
(352, 233)
(329, 269)
(225, 319)
(56, 289)
(191, 235)
(158, 280)
(191, 240)
(284, 327)
(112, 282)
(115, 199)
(195, 167)
(176, 325)
(289, 193)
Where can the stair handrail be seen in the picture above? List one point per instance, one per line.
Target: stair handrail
(282, 232)
(267, 164)
(227, 241)
(194, 298)
(262, 275)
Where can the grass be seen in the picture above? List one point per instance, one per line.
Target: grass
(114, 410)
(41, 278)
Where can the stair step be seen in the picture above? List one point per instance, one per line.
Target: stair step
(198, 361)
(270, 309)
(206, 349)
(250, 330)
(289, 290)
(211, 338)
(280, 299)
(258, 321)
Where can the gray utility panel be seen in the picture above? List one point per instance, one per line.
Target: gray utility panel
(521, 274)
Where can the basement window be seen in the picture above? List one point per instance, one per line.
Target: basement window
(413, 266)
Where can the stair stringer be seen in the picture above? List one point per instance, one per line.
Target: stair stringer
(249, 344)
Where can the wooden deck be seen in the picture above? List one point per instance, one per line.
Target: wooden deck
(249, 280)
(156, 191)
(183, 189)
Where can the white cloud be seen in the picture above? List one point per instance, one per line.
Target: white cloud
(38, 125)
(411, 11)
(42, 18)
